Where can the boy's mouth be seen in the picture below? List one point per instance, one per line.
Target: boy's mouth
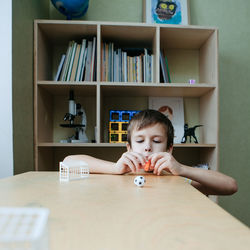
(146, 156)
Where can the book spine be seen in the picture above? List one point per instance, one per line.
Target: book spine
(59, 70)
(166, 61)
(83, 65)
(71, 62)
(75, 62)
(93, 59)
(66, 63)
(79, 66)
(88, 62)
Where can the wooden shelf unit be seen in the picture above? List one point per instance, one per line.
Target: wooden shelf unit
(192, 52)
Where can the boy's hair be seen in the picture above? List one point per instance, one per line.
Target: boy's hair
(150, 117)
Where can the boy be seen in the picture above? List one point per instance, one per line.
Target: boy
(150, 138)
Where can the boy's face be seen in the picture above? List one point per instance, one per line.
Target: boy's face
(146, 141)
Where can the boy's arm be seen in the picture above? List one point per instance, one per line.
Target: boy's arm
(129, 161)
(95, 165)
(209, 181)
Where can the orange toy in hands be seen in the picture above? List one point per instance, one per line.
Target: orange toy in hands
(147, 166)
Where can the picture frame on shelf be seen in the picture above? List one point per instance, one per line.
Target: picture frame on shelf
(166, 11)
(173, 108)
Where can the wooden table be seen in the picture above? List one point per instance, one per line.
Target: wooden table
(110, 212)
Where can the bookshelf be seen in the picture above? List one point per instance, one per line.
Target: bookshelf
(192, 53)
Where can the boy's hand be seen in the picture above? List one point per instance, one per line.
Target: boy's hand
(130, 162)
(165, 161)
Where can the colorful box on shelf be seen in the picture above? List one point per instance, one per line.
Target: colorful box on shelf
(118, 137)
(118, 127)
(118, 124)
(121, 115)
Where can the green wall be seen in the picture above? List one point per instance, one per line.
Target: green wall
(229, 16)
(23, 14)
(108, 10)
(232, 19)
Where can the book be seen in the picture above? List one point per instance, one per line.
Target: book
(88, 61)
(145, 65)
(92, 70)
(83, 65)
(112, 62)
(125, 68)
(75, 62)
(66, 63)
(59, 69)
(81, 57)
(102, 61)
(106, 62)
(173, 108)
(152, 68)
(163, 68)
(119, 64)
(166, 61)
(71, 61)
(116, 66)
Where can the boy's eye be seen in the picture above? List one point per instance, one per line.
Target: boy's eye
(156, 141)
(139, 141)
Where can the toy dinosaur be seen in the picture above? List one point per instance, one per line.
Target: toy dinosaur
(189, 132)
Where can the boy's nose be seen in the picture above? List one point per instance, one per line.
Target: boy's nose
(148, 148)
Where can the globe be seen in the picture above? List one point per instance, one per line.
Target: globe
(71, 8)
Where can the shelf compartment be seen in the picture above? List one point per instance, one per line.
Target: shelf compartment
(191, 53)
(51, 41)
(198, 108)
(52, 105)
(192, 156)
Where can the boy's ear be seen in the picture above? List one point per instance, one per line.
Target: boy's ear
(170, 150)
(128, 147)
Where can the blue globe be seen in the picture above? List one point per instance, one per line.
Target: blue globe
(71, 8)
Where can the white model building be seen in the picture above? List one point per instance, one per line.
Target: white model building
(77, 170)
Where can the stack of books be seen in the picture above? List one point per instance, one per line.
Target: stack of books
(126, 65)
(78, 63)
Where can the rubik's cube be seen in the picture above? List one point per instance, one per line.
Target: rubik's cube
(118, 124)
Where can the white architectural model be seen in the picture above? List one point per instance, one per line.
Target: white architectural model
(71, 172)
(24, 228)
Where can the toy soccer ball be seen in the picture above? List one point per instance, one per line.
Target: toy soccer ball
(139, 181)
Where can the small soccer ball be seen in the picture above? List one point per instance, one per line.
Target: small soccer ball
(139, 181)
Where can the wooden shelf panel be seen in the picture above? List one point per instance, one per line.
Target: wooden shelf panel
(128, 89)
(97, 145)
(154, 89)
(62, 88)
